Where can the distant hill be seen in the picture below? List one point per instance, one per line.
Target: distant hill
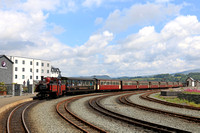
(190, 71)
(101, 76)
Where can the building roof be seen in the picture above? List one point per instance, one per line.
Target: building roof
(53, 69)
(6, 58)
(27, 58)
(190, 78)
(77, 78)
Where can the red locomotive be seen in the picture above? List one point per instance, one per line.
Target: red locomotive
(50, 87)
(55, 87)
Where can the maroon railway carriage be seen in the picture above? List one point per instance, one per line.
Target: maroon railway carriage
(180, 84)
(170, 84)
(154, 84)
(128, 85)
(79, 84)
(163, 84)
(108, 84)
(175, 84)
(143, 84)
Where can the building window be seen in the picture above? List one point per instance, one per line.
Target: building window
(30, 77)
(42, 64)
(23, 69)
(23, 62)
(36, 77)
(16, 69)
(31, 70)
(47, 71)
(16, 61)
(42, 70)
(23, 77)
(15, 76)
(47, 64)
(37, 63)
(31, 63)
(37, 70)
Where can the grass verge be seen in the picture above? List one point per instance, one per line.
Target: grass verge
(176, 100)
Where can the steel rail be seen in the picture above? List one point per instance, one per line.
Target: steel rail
(147, 97)
(78, 122)
(96, 105)
(186, 117)
(23, 117)
(24, 107)
(10, 115)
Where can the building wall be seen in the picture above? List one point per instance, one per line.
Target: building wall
(190, 82)
(28, 69)
(46, 68)
(6, 72)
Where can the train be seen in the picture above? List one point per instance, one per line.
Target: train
(55, 87)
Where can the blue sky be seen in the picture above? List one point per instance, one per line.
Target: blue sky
(96, 37)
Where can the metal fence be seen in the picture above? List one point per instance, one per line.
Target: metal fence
(16, 89)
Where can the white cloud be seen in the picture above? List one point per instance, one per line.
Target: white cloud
(91, 3)
(175, 48)
(118, 21)
(38, 5)
(163, 1)
(96, 44)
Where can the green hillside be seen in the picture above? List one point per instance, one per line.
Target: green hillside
(165, 77)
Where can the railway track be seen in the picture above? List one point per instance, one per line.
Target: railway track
(16, 120)
(146, 97)
(63, 110)
(96, 105)
(125, 100)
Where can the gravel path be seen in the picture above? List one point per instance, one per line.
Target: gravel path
(45, 119)
(137, 100)
(111, 104)
(80, 108)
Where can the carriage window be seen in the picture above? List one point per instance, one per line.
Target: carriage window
(163, 83)
(87, 83)
(79, 83)
(154, 83)
(134, 83)
(143, 83)
(117, 83)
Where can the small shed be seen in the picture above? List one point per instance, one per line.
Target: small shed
(190, 82)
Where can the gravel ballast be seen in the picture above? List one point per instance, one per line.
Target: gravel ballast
(45, 119)
(111, 104)
(104, 122)
(137, 100)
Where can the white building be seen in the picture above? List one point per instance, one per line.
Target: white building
(29, 69)
(190, 82)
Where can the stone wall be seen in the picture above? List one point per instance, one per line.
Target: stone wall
(170, 93)
(190, 97)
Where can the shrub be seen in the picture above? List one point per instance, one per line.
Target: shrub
(2, 86)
